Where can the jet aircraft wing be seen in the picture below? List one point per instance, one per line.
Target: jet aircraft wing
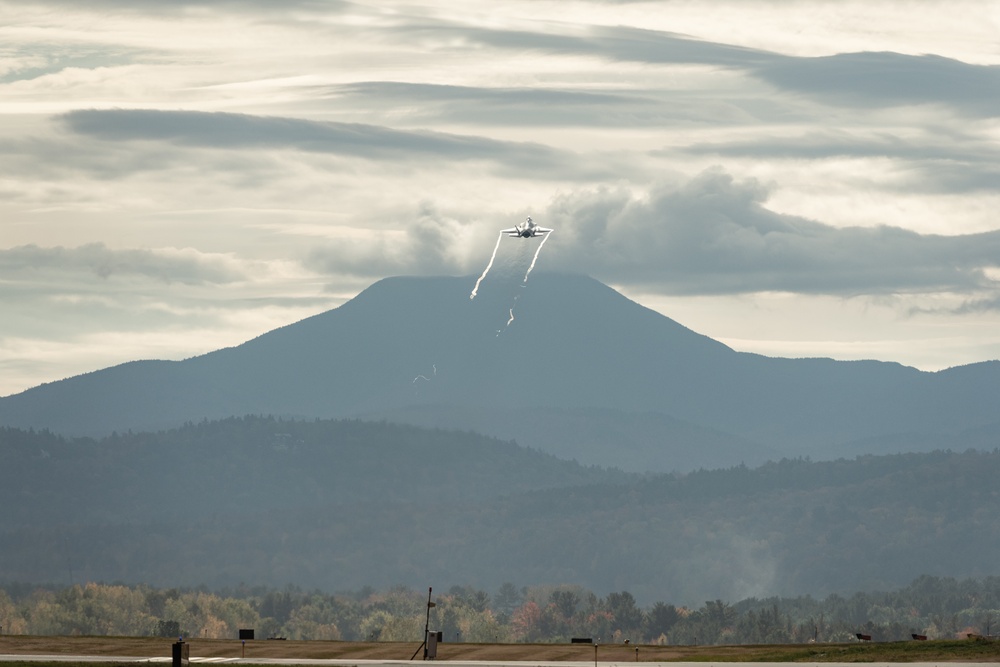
(525, 233)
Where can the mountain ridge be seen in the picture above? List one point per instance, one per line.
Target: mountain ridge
(421, 346)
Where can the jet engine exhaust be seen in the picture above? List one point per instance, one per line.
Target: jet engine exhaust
(525, 281)
(475, 290)
(535, 258)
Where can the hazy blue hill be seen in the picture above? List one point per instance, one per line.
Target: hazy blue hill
(241, 466)
(633, 441)
(343, 504)
(579, 369)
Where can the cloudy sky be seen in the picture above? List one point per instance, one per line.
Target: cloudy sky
(796, 178)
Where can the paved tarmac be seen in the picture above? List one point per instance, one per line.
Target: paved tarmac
(339, 662)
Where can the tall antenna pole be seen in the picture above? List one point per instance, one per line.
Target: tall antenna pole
(427, 627)
(69, 559)
(427, 623)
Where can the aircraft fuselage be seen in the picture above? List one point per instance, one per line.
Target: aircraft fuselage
(526, 231)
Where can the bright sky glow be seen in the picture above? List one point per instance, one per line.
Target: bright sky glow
(798, 178)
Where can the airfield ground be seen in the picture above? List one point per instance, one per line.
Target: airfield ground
(970, 650)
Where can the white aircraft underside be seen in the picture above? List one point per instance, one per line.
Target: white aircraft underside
(526, 230)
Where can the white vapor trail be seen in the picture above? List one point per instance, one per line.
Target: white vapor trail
(504, 327)
(424, 377)
(475, 289)
(535, 258)
(525, 281)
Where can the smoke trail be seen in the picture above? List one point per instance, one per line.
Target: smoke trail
(475, 289)
(504, 327)
(424, 377)
(535, 258)
(524, 282)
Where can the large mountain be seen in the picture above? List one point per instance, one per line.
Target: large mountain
(563, 364)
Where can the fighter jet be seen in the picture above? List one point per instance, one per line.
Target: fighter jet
(526, 231)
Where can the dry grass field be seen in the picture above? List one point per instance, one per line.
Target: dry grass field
(146, 647)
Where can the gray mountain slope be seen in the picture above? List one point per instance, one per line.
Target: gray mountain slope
(420, 346)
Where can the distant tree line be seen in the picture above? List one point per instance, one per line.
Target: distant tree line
(932, 606)
(327, 504)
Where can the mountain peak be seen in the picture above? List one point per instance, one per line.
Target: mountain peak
(564, 347)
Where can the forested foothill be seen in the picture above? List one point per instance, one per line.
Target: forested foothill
(337, 505)
(938, 608)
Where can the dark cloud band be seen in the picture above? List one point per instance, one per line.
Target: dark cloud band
(103, 262)
(242, 131)
(857, 80)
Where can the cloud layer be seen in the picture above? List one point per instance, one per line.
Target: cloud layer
(227, 166)
(714, 235)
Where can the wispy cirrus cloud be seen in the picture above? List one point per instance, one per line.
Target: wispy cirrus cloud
(167, 265)
(860, 80)
(503, 106)
(242, 131)
(878, 80)
(942, 160)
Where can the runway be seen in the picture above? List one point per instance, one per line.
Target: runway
(341, 662)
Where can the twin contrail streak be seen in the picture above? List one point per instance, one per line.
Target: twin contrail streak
(535, 258)
(475, 289)
(525, 281)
